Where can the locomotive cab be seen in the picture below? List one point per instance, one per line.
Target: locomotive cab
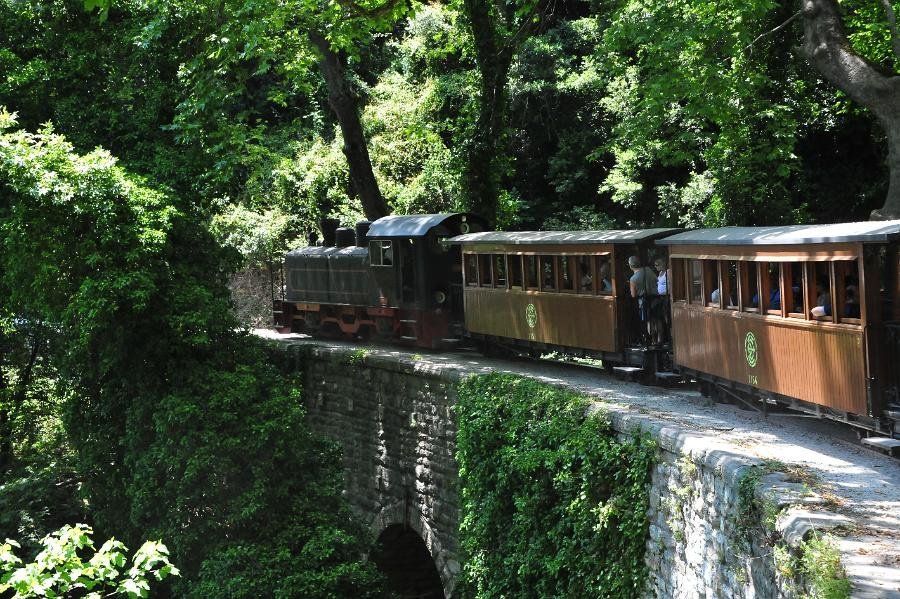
(418, 273)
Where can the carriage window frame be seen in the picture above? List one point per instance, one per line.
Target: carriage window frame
(543, 261)
(379, 249)
(710, 282)
(694, 279)
(471, 270)
(591, 263)
(532, 276)
(747, 291)
(498, 264)
(564, 271)
(485, 270)
(599, 261)
(515, 271)
(790, 282)
(839, 289)
(765, 288)
(730, 288)
(675, 279)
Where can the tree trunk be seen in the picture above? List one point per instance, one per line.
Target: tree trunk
(5, 427)
(481, 171)
(343, 102)
(827, 49)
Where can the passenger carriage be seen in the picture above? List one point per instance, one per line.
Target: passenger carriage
(542, 291)
(749, 314)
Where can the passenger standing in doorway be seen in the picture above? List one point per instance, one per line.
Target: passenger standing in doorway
(661, 312)
(643, 286)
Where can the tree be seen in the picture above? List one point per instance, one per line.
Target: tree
(252, 63)
(498, 29)
(827, 48)
(345, 106)
(182, 428)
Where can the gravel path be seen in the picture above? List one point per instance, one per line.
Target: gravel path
(863, 484)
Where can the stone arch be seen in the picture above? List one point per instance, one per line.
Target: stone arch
(398, 515)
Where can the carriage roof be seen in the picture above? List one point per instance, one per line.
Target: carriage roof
(868, 231)
(628, 236)
(415, 225)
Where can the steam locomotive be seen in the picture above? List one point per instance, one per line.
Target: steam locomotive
(747, 305)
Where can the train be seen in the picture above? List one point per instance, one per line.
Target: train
(803, 317)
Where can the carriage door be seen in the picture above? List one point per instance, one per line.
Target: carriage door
(891, 314)
(408, 270)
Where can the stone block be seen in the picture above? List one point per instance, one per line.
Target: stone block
(795, 524)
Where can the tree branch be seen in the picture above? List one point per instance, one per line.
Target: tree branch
(371, 13)
(892, 23)
(749, 47)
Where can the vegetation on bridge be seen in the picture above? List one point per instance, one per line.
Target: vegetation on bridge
(552, 503)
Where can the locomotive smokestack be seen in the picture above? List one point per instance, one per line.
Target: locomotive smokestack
(362, 229)
(328, 226)
(344, 237)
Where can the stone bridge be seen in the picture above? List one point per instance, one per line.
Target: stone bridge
(392, 412)
(393, 418)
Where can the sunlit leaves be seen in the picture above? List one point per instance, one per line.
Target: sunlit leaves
(65, 567)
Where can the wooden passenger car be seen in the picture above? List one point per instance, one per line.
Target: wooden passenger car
(806, 315)
(565, 290)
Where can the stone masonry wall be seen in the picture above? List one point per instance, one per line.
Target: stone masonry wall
(393, 415)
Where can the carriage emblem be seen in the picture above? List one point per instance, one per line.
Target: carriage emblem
(750, 349)
(531, 315)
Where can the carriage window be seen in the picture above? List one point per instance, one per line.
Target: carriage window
(515, 271)
(566, 273)
(793, 289)
(696, 281)
(499, 270)
(820, 298)
(586, 274)
(729, 284)
(485, 278)
(749, 286)
(472, 270)
(380, 253)
(676, 279)
(712, 287)
(604, 275)
(548, 273)
(770, 292)
(531, 272)
(851, 312)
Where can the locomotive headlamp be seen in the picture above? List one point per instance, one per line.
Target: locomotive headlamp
(440, 297)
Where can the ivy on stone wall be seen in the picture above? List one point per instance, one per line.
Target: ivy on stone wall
(552, 502)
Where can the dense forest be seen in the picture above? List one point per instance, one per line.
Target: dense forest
(150, 150)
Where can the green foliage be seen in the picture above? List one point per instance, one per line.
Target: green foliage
(63, 567)
(820, 565)
(552, 503)
(180, 428)
(260, 237)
